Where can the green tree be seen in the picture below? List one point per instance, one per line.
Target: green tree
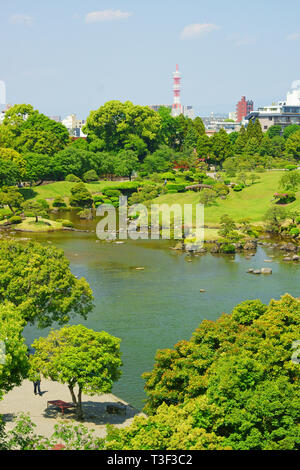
(241, 141)
(293, 145)
(274, 131)
(114, 122)
(41, 123)
(126, 162)
(13, 359)
(227, 226)
(289, 130)
(275, 217)
(221, 146)
(199, 126)
(79, 357)
(38, 280)
(17, 115)
(90, 175)
(204, 147)
(14, 156)
(35, 208)
(11, 197)
(290, 181)
(207, 196)
(9, 173)
(81, 197)
(39, 167)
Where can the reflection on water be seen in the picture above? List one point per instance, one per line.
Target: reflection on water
(158, 306)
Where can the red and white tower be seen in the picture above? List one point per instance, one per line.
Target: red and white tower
(176, 107)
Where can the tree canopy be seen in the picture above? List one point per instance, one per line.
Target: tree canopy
(78, 357)
(38, 280)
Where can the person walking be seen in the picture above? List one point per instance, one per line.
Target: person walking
(37, 384)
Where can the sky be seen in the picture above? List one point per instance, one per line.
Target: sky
(71, 56)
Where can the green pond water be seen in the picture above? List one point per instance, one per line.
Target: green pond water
(156, 307)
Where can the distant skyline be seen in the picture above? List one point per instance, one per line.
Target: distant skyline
(68, 56)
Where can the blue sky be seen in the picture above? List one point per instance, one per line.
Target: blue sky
(71, 56)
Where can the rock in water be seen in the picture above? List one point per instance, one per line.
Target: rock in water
(266, 271)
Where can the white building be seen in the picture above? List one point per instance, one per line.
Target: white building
(283, 113)
(74, 125)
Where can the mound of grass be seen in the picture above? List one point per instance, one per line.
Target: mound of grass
(43, 225)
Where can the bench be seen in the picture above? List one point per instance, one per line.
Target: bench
(63, 405)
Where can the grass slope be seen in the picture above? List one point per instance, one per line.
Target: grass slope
(251, 203)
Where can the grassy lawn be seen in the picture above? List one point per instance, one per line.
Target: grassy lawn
(63, 189)
(252, 202)
(29, 225)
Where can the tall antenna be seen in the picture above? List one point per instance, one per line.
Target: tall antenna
(176, 107)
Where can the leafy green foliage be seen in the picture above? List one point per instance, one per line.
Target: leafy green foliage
(38, 280)
(81, 197)
(78, 356)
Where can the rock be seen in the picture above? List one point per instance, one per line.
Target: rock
(257, 271)
(202, 290)
(296, 258)
(287, 258)
(140, 269)
(268, 261)
(266, 271)
(250, 245)
(250, 270)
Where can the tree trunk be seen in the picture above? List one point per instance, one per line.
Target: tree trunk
(79, 405)
(72, 394)
(36, 219)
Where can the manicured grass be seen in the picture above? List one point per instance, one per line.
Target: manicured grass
(29, 225)
(63, 189)
(252, 203)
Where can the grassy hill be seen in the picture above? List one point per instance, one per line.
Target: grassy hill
(252, 202)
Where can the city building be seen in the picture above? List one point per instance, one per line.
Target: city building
(74, 125)
(243, 108)
(283, 113)
(232, 116)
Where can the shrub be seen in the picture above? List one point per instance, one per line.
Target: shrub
(111, 192)
(168, 176)
(5, 213)
(67, 224)
(172, 191)
(294, 232)
(227, 248)
(73, 179)
(81, 197)
(179, 188)
(43, 203)
(59, 202)
(285, 198)
(15, 219)
(291, 167)
(238, 187)
(90, 175)
(126, 187)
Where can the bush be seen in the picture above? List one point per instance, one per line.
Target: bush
(172, 191)
(90, 175)
(291, 167)
(15, 219)
(168, 176)
(238, 187)
(126, 187)
(59, 202)
(73, 179)
(285, 198)
(5, 213)
(294, 232)
(227, 248)
(111, 192)
(179, 188)
(67, 224)
(43, 203)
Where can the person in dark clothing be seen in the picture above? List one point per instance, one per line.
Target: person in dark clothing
(37, 387)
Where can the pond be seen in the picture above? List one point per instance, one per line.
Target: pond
(162, 304)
